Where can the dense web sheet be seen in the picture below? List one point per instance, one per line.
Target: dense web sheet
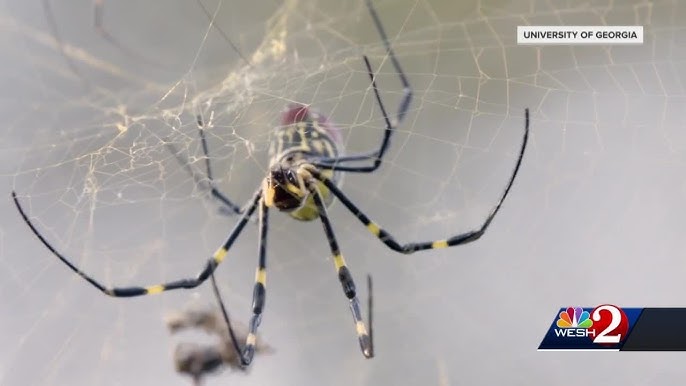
(594, 216)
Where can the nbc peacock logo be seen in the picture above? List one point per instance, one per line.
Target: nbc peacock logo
(574, 322)
(604, 327)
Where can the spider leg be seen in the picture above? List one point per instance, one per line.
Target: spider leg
(377, 155)
(259, 291)
(211, 265)
(344, 276)
(370, 308)
(215, 192)
(208, 182)
(227, 320)
(246, 353)
(211, 18)
(52, 24)
(411, 247)
(99, 26)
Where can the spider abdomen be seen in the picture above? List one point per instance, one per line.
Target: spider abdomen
(304, 134)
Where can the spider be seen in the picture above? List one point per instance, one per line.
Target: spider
(302, 181)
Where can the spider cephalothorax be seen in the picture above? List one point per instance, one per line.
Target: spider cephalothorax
(284, 188)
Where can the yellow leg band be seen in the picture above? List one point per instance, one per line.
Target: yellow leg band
(439, 244)
(338, 260)
(374, 229)
(361, 329)
(154, 289)
(220, 255)
(261, 276)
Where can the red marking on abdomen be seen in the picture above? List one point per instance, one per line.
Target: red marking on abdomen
(296, 112)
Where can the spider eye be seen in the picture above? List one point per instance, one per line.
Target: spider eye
(290, 177)
(278, 176)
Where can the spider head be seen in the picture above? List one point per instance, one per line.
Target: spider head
(282, 188)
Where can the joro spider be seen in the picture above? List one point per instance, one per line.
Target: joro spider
(302, 181)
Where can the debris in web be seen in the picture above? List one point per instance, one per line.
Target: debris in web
(198, 360)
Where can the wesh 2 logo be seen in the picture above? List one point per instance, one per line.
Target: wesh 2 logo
(602, 327)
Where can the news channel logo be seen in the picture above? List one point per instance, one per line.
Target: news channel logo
(604, 327)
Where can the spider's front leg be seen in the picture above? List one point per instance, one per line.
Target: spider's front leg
(247, 353)
(131, 291)
(414, 246)
(363, 334)
(260, 289)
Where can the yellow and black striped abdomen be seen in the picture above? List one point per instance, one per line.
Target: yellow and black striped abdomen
(301, 140)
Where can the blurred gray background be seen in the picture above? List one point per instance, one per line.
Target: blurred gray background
(594, 216)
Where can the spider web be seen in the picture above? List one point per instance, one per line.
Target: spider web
(593, 216)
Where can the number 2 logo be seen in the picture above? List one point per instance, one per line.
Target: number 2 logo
(610, 325)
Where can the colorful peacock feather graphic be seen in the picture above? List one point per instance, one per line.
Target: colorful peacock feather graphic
(574, 318)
